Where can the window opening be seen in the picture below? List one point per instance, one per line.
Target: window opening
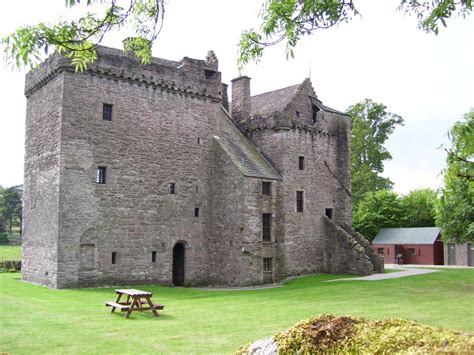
(329, 212)
(153, 256)
(380, 251)
(315, 113)
(196, 212)
(301, 163)
(101, 175)
(172, 188)
(266, 188)
(107, 112)
(267, 227)
(267, 264)
(114, 257)
(411, 251)
(299, 201)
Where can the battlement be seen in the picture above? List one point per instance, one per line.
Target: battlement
(190, 77)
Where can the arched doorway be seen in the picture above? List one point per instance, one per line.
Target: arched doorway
(178, 264)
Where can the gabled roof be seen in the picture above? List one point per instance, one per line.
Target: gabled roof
(242, 151)
(421, 235)
(273, 100)
(277, 100)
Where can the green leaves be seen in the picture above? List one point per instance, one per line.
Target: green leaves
(432, 13)
(289, 20)
(10, 204)
(140, 46)
(379, 209)
(78, 39)
(455, 207)
(372, 124)
(419, 207)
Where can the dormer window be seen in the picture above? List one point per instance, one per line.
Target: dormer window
(315, 110)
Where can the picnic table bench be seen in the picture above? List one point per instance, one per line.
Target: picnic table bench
(136, 300)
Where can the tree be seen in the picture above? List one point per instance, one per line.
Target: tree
(11, 205)
(2, 221)
(371, 127)
(281, 20)
(455, 207)
(79, 39)
(419, 207)
(378, 209)
(290, 20)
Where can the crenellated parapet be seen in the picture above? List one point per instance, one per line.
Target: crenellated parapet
(189, 77)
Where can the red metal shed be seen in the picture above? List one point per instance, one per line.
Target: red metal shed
(412, 245)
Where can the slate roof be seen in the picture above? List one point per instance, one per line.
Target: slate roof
(242, 151)
(422, 235)
(277, 100)
(273, 100)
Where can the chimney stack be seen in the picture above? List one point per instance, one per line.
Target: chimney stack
(241, 99)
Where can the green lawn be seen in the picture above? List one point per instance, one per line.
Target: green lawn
(10, 252)
(35, 319)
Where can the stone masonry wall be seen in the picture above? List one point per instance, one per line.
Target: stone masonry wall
(151, 142)
(166, 119)
(325, 179)
(462, 254)
(41, 183)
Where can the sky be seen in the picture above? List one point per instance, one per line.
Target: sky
(381, 55)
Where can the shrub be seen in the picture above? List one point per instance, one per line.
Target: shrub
(10, 265)
(3, 238)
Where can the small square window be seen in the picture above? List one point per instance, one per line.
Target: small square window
(267, 227)
(299, 201)
(114, 257)
(267, 264)
(153, 256)
(301, 163)
(297, 114)
(172, 188)
(199, 141)
(329, 213)
(196, 212)
(411, 251)
(266, 188)
(107, 112)
(101, 175)
(380, 251)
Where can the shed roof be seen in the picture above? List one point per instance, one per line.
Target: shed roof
(421, 235)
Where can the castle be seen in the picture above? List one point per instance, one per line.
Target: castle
(147, 174)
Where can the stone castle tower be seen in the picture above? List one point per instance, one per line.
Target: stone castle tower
(140, 174)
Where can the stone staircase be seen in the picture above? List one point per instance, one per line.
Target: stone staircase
(355, 256)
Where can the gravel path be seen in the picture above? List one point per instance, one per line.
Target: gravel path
(391, 275)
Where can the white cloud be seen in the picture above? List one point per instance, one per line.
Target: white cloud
(427, 79)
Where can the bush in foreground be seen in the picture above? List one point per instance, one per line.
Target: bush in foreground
(340, 334)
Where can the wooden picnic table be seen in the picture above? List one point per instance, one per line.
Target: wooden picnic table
(136, 300)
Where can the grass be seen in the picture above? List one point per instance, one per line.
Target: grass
(39, 320)
(10, 252)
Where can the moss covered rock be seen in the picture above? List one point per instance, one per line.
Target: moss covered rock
(340, 334)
